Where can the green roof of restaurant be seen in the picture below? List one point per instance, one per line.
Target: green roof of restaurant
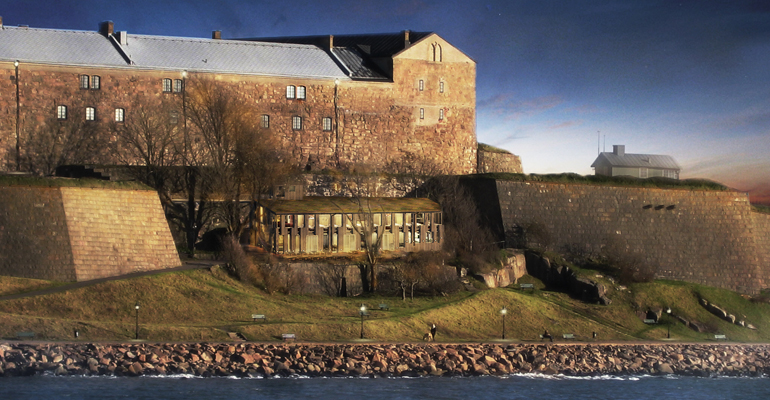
(330, 205)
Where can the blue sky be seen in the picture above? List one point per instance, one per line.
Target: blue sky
(689, 78)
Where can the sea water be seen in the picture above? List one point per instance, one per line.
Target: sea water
(525, 386)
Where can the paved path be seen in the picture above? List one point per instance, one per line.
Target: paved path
(187, 265)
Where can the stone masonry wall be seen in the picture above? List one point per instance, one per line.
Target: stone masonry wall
(34, 241)
(706, 237)
(115, 232)
(77, 234)
(499, 162)
(373, 122)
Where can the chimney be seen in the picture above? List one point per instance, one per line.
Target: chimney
(328, 42)
(407, 43)
(619, 149)
(106, 28)
(122, 37)
(1, 22)
(217, 35)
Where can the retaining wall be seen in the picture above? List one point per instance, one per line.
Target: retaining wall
(707, 237)
(78, 234)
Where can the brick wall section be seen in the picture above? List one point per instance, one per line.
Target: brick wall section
(499, 162)
(34, 241)
(115, 232)
(705, 237)
(70, 234)
(374, 122)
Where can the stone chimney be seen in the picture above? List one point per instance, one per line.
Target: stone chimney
(1, 22)
(107, 28)
(619, 149)
(407, 43)
(216, 35)
(328, 42)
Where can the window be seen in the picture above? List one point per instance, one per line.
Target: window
(90, 114)
(96, 82)
(166, 85)
(265, 121)
(61, 112)
(290, 92)
(441, 114)
(422, 85)
(436, 50)
(120, 115)
(178, 86)
(441, 87)
(643, 172)
(173, 117)
(301, 92)
(84, 81)
(422, 113)
(327, 124)
(296, 123)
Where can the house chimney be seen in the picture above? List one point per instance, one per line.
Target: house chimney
(328, 42)
(122, 37)
(107, 28)
(407, 43)
(619, 149)
(217, 35)
(1, 22)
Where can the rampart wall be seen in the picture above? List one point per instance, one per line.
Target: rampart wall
(78, 234)
(490, 161)
(707, 237)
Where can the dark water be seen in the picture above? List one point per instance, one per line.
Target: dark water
(482, 388)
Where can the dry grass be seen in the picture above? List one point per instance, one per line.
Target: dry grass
(203, 305)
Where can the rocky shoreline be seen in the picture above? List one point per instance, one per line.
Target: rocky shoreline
(385, 360)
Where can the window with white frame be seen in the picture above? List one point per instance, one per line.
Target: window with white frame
(167, 85)
(441, 87)
(90, 114)
(422, 85)
(178, 86)
(84, 81)
(296, 123)
(291, 91)
(96, 82)
(441, 114)
(422, 113)
(265, 121)
(61, 112)
(120, 115)
(300, 92)
(327, 123)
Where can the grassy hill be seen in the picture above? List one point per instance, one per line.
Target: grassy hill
(203, 305)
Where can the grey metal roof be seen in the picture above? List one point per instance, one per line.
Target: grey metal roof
(636, 160)
(164, 52)
(357, 66)
(231, 56)
(57, 47)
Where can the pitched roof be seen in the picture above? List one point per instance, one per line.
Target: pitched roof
(57, 47)
(67, 47)
(335, 205)
(636, 160)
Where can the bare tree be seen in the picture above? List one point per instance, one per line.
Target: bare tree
(64, 139)
(406, 174)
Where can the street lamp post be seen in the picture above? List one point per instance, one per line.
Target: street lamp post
(503, 312)
(362, 311)
(137, 320)
(668, 325)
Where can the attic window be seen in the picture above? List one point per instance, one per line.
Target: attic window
(436, 50)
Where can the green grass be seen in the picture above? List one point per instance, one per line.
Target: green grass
(599, 180)
(492, 149)
(203, 305)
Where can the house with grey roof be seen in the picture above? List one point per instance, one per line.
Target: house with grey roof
(620, 163)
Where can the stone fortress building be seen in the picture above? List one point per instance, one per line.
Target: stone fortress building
(331, 101)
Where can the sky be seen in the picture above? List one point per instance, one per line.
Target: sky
(556, 80)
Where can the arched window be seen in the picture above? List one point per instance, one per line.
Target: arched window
(90, 114)
(436, 50)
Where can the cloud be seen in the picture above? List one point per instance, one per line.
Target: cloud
(506, 106)
(565, 124)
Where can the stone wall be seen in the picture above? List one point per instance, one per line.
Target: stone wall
(490, 161)
(78, 234)
(374, 123)
(707, 237)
